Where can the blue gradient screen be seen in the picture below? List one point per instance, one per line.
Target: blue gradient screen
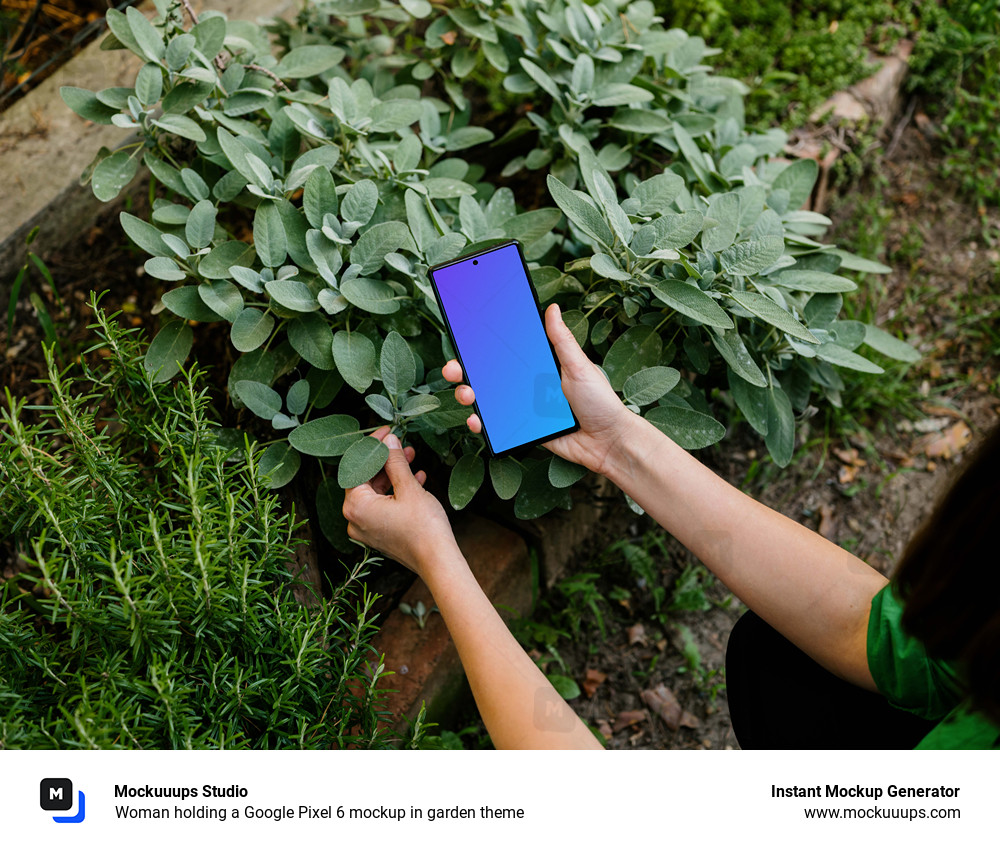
(501, 341)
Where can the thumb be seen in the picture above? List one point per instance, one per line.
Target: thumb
(571, 356)
(397, 467)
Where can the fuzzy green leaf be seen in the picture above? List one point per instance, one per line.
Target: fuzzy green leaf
(112, 174)
(260, 398)
(168, 351)
(636, 349)
(311, 336)
(328, 436)
(688, 428)
(396, 364)
(355, 359)
(505, 473)
(890, 346)
(371, 295)
(466, 478)
(649, 385)
(766, 309)
(780, 437)
(362, 462)
(199, 228)
(690, 301)
(251, 329)
(278, 465)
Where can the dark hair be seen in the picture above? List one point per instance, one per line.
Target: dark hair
(949, 578)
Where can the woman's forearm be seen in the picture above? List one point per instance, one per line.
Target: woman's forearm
(518, 704)
(814, 592)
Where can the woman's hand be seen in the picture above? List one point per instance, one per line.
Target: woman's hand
(408, 524)
(603, 417)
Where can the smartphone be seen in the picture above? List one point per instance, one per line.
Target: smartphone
(495, 323)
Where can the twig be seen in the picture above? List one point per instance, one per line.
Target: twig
(900, 127)
(271, 74)
(187, 8)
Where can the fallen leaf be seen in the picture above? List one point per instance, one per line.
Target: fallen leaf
(662, 700)
(636, 634)
(592, 681)
(629, 718)
(940, 410)
(827, 524)
(946, 444)
(449, 37)
(847, 455)
(847, 474)
(926, 426)
(689, 721)
(604, 728)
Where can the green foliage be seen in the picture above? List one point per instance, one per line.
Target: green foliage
(309, 192)
(795, 55)
(956, 64)
(154, 607)
(33, 264)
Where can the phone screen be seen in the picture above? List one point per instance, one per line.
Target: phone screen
(495, 323)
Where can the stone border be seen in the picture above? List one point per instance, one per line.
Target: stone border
(45, 147)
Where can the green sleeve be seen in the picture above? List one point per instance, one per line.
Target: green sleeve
(899, 664)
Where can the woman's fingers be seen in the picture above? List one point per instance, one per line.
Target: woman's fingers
(452, 371)
(474, 423)
(465, 395)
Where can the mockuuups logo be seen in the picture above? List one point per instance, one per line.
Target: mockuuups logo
(56, 795)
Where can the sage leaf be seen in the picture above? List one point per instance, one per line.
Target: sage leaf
(564, 473)
(269, 235)
(293, 294)
(649, 385)
(766, 309)
(371, 295)
(354, 357)
(636, 349)
(780, 437)
(885, 343)
(251, 329)
(311, 336)
(396, 364)
(112, 174)
(298, 397)
(692, 302)
(222, 297)
(328, 436)
(688, 428)
(751, 400)
(734, 351)
(260, 398)
(199, 228)
(361, 462)
(505, 474)
(168, 351)
(278, 465)
(840, 356)
(466, 478)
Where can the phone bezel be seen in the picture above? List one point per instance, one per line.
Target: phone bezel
(458, 354)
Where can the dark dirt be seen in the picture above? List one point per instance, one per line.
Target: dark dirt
(37, 37)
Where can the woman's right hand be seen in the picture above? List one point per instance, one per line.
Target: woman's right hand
(603, 418)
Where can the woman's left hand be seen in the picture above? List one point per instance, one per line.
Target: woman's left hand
(408, 524)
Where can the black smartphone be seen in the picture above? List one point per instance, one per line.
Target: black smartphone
(495, 323)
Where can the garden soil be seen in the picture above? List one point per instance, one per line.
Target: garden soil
(658, 682)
